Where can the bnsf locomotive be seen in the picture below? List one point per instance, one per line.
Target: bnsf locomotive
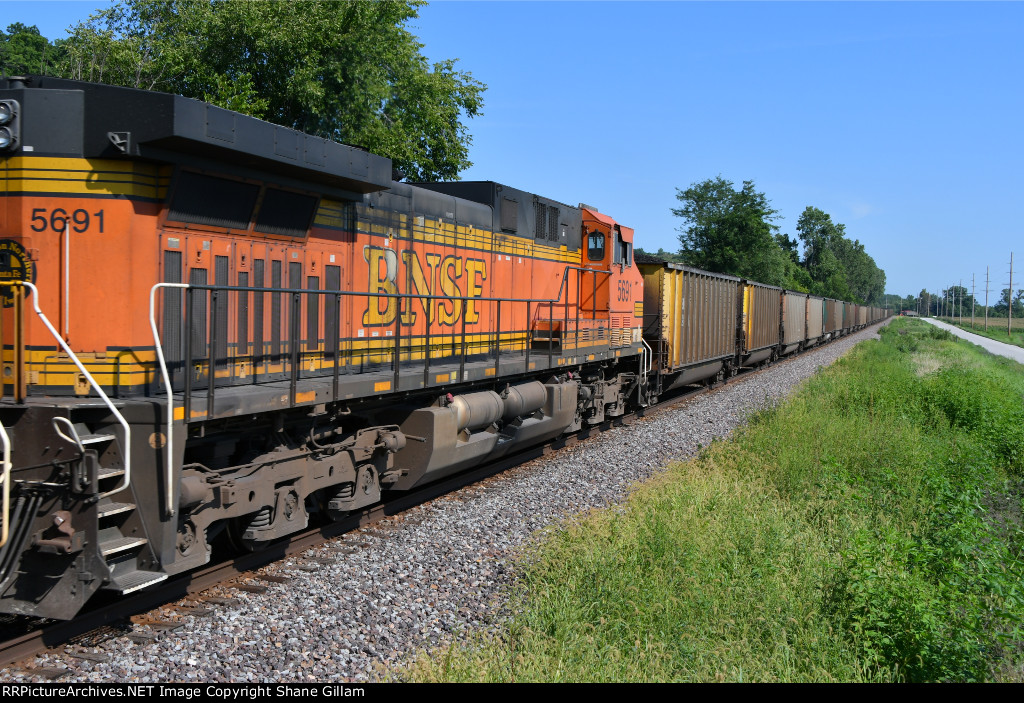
(218, 329)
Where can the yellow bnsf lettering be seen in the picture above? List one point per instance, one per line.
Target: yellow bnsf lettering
(383, 265)
(415, 282)
(449, 311)
(476, 273)
(452, 277)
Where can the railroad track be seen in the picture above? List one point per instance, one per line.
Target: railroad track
(137, 618)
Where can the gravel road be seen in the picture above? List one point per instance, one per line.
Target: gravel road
(412, 580)
(992, 346)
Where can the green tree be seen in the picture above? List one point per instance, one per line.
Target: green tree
(1002, 308)
(821, 239)
(24, 50)
(790, 246)
(345, 70)
(731, 231)
(837, 266)
(661, 254)
(958, 301)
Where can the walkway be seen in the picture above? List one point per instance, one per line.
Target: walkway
(1000, 348)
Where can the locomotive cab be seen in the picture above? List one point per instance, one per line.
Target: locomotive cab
(616, 297)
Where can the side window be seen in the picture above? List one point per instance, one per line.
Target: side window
(595, 245)
(622, 253)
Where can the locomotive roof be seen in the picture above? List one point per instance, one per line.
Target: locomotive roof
(63, 117)
(485, 192)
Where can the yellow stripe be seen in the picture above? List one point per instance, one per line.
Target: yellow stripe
(39, 174)
(128, 368)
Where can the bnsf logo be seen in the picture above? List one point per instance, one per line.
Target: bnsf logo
(451, 276)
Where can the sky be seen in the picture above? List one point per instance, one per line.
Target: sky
(903, 121)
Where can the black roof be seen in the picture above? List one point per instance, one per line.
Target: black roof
(61, 117)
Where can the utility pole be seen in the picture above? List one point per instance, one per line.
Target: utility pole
(960, 308)
(986, 298)
(972, 301)
(1009, 300)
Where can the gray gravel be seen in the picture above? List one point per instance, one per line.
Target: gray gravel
(413, 580)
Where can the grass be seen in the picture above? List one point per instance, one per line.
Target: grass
(866, 530)
(996, 329)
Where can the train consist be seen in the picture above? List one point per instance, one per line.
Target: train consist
(218, 330)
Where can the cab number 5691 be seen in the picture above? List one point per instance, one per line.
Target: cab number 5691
(59, 219)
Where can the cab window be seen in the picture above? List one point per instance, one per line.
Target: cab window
(622, 253)
(595, 245)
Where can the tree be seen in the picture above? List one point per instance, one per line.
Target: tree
(837, 266)
(925, 301)
(661, 254)
(345, 70)
(958, 301)
(791, 247)
(1002, 308)
(731, 231)
(23, 50)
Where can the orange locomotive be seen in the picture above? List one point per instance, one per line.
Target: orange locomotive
(215, 328)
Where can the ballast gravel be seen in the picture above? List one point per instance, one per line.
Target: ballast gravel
(369, 599)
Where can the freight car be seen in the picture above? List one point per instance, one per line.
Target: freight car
(217, 330)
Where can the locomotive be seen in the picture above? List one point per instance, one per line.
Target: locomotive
(219, 330)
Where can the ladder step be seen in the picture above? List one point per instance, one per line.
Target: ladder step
(134, 581)
(109, 509)
(95, 438)
(120, 544)
(109, 473)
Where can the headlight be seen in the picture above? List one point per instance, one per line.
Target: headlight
(10, 124)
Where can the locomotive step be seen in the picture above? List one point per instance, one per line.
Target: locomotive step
(120, 544)
(134, 581)
(109, 509)
(109, 473)
(95, 438)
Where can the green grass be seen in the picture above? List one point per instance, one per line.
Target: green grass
(996, 329)
(866, 530)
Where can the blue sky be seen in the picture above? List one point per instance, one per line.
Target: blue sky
(901, 120)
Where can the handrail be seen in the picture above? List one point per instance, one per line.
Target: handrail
(6, 473)
(645, 369)
(169, 505)
(74, 438)
(92, 383)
